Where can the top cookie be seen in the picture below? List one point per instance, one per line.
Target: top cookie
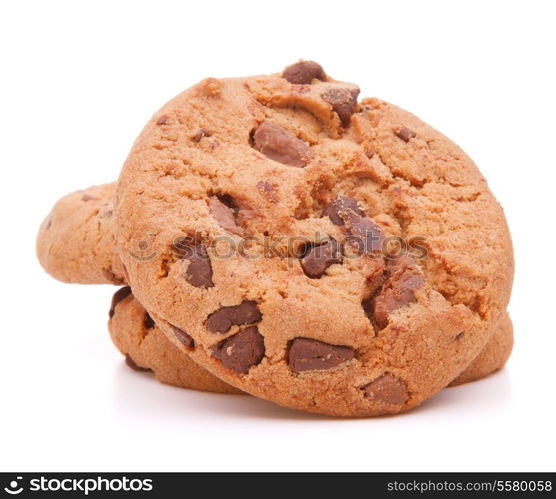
(272, 207)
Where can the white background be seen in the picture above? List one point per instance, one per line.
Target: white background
(77, 84)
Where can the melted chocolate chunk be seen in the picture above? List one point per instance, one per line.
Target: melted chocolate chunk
(404, 133)
(310, 355)
(343, 102)
(240, 352)
(148, 321)
(119, 296)
(387, 389)
(220, 321)
(183, 337)
(365, 235)
(199, 271)
(341, 209)
(131, 363)
(405, 278)
(228, 200)
(319, 257)
(224, 215)
(304, 72)
(268, 190)
(279, 145)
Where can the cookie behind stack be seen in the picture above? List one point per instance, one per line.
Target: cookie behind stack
(315, 307)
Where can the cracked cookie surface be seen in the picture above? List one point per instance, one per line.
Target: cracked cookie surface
(311, 188)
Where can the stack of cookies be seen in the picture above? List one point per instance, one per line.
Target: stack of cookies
(276, 235)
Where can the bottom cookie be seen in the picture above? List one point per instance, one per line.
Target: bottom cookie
(146, 348)
(493, 356)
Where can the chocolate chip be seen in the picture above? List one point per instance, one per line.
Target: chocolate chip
(279, 145)
(199, 134)
(373, 285)
(163, 120)
(388, 389)
(199, 271)
(247, 312)
(131, 363)
(303, 72)
(343, 101)
(311, 355)
(268, 190)
(224, 215)
(112, 277)
(319, 257)
(404, 279)
(241, 351)
(341, 209)
(183, 337)
(365, 235)
(88, 197)
(119, 296)
(228, 200)
(148, 321)
(404, 133)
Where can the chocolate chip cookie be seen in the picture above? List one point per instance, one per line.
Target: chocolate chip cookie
(146, 349)
(75, 242)
(128, 331)
(330, 255)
